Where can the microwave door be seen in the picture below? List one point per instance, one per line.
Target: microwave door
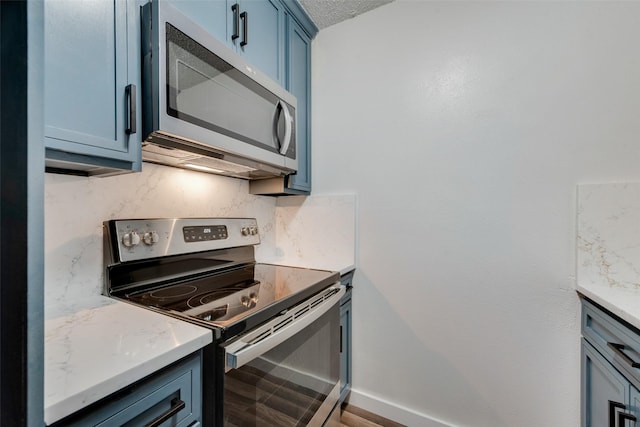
(205, 91)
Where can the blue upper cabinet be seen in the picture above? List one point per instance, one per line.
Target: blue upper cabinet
(253, 28)
(274, 36)
(211, 15)
(257, 33)
(299, 30)
(89, 88)
(299, 84)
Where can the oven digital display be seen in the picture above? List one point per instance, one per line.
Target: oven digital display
(200, 233)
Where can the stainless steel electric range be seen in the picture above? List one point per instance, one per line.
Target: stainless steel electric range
(274, 360)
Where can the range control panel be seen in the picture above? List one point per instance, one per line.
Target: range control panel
(199, 233)
(139, 239)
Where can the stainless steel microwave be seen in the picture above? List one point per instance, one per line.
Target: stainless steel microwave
(205, 108)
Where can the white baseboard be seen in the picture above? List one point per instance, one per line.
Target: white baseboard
(393, 411)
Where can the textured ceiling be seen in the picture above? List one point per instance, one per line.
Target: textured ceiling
(328, 12)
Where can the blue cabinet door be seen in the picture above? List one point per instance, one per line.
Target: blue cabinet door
(345, 347)
(256, 30)
(86, 109)
(210, 14)
(634, 403)
(299, 84)
(253, 28)
(601, 385)
(174, 392)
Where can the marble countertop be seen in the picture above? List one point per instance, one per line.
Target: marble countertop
(340, 267)
(623, 302)
(103, 345)
(608, 247)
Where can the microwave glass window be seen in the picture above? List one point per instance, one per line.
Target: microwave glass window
(195, 76)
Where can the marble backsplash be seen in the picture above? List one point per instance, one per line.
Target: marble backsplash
(75, 208)
(317, 231)
(313, 231)
(608, 235)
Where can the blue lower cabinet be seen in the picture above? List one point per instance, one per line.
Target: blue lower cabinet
(173, 397)
(345, 348)
(90, 94)
(610, 376)
(601, 384)
(634, 404)
(345, 337)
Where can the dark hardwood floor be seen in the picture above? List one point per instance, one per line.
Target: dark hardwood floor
(352, 416)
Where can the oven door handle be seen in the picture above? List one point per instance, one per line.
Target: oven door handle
(276, 331)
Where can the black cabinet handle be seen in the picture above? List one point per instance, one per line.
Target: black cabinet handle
(619, 350)
(612, 412)
(130, 92)
(622, 416)
(340, 338)
(177, 405)
(236, 21)
(245, 32)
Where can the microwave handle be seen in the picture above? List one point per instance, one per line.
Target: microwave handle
(288, 127)
(240, 352)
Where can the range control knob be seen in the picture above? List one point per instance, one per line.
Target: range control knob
(253, 230)
(253, 297)
(245, 231)
(130, 239)
(249, 301)
(150, 237)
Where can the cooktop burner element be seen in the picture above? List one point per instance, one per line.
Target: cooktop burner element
(214, 282)
(177, 291)
(210, 297)
(236, 300)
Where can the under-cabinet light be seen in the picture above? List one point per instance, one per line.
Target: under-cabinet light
(203, 168)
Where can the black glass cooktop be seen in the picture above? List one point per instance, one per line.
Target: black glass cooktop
(248, 294)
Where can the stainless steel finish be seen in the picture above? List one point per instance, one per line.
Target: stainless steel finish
(166, 238)
(279, 329)
(333, 420)
(179, 143)
(324, 412)
(203, 270)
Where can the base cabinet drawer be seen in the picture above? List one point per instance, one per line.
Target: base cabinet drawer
(170, 398)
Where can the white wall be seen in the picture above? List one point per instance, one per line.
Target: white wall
(464, 128)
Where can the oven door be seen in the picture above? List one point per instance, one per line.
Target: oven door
(287, 371)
